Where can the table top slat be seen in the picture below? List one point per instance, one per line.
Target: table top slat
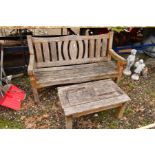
(91, 96)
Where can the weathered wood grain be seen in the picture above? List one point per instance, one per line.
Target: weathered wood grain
(38, 52)
(53, 51)
(46, 52)
(70, 37)
(91, 48)
(86, 49)
(104, 47)
(75, 74)
(65, 50)
(68, 122)
(55, 55)
(98, 48)
(60, 51)
(90, 97)
(81, 49)
(69, 50)
(73, 50)
(36, 95)
(70, 62)
(31, 65)
(116, 57)
(121, 111)
(110, 39)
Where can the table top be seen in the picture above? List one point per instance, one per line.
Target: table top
(91, 97)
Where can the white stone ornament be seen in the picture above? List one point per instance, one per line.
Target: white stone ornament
(130, 62)
(139, 67)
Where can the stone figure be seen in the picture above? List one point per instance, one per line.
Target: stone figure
(130, 62)
(139, 66)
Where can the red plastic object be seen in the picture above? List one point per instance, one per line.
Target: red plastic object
(12, 98)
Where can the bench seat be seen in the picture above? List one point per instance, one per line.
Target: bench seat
(75, 74)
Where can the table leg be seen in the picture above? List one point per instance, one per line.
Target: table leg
(121, 111)
(68, 122)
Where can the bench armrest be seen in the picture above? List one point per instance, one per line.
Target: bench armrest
(117, 57)
(31, 65)
(32, 60)
(120, 62)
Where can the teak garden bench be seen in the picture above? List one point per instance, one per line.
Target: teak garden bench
(72, 59)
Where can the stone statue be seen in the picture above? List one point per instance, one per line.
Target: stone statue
(139, 67)
(130, 62)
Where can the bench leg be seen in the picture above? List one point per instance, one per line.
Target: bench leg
(120, 66)
(118, 79)
(36, 95)
(68, 122)
(121, 111)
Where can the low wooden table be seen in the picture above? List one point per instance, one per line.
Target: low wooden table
(86, 98)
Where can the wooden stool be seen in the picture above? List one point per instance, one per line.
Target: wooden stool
(86, 98)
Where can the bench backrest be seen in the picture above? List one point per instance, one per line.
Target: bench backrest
(69, 50)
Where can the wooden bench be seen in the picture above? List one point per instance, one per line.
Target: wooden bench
(72, 59)
(86, 98)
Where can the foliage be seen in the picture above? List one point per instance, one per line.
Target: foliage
(8, 124)
(117, 29)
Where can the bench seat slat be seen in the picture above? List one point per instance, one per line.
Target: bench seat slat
(75, 74)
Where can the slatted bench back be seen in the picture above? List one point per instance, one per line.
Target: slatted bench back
(69, 50)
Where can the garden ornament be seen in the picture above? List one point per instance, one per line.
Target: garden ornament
(130, 62)
(139, 67)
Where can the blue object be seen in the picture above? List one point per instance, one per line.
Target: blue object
(128, 47)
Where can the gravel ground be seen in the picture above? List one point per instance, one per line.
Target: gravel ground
(140, 111)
